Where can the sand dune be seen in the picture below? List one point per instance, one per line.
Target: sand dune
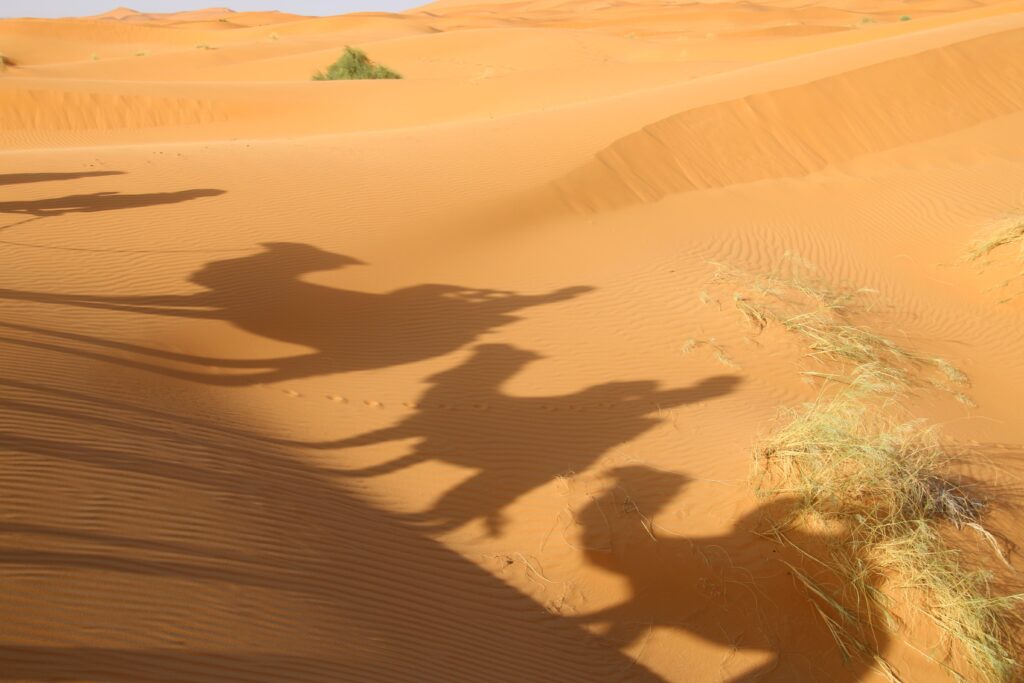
(846, 116)
(385, 380)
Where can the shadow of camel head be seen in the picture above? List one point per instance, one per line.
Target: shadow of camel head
(659, 487)
(278, 261)
(631, 475)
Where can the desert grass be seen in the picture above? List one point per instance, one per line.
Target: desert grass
(717, 350)
(824, 319)
(1005, 233)
(887, 486)
(881, 484)
(354, 65)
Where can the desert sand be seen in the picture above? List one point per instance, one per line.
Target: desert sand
(385, 380)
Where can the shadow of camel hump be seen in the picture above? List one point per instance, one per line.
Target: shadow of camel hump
(344, 330)
(731, 589)
(101, 201)
(518, 443)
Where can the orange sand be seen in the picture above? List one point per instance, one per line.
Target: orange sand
(382, 380)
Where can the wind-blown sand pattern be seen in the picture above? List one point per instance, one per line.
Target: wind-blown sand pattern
(385, 380)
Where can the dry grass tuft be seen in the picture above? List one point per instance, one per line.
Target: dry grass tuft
(719, 352)
(887, 486)
(882, 487)
(823, 318)
(1006, 233)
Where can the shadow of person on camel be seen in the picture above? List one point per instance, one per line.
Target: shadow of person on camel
(517, 443)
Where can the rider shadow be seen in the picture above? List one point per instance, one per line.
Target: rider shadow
(734, 590)
(517, 443)
(264, 294)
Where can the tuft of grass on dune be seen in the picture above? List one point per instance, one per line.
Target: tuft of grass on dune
(718, 351)
(886, 486)
(354, 65)
(824, 319)
(881, 483)
(1006, 233)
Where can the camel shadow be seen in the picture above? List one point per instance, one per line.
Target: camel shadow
(20, 178)
(100, 201)
(735, 590)
(517, 443)
(264, 294)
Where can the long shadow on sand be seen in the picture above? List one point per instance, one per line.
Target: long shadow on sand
(268, 567)
(19, 178)
(140, 548)
(731, 589)
(100, 201)
(345, 330)
(517, 443)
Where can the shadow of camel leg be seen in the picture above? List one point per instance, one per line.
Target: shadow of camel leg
(157, 353)
(385, 467)
(272, 375)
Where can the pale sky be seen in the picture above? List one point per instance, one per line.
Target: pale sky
(78, 8)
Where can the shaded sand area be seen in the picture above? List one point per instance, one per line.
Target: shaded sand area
(387, 381)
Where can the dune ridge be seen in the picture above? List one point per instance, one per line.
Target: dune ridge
(849, 115)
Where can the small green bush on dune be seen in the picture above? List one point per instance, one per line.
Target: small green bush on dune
(354, 65)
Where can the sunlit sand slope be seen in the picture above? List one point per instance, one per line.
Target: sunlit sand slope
(795, 131)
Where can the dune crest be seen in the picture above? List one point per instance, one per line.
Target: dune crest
(796, 131)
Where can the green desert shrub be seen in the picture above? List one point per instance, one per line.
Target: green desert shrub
(354, 65)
